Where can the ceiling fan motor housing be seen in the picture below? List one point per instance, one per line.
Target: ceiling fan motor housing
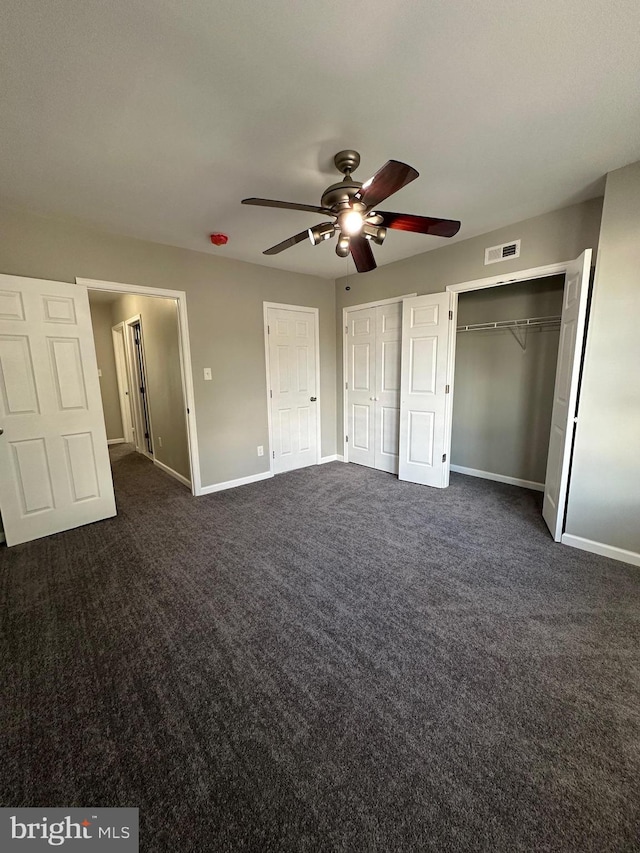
(340, 195)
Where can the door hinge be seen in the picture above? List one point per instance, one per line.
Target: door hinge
(444, 457)
(188, 412)
(274, 454)
(446, 389)
(346, 438)
(268, 330)
(451, 315)
(346, 330)
(346, 385)
(271, 394)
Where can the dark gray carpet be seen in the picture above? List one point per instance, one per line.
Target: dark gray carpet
(327, 661)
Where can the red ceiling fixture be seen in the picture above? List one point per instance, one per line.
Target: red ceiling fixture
(219, 239)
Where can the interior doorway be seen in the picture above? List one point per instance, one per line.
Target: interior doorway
(145, 397)
(139, 385)
(122, 379)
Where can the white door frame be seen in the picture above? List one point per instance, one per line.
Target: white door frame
(184, 348)
(122, 378)
(134, 386)
(480, 284)
(316, 320)
(345, 364)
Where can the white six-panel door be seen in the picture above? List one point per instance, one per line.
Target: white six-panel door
(361, 382)
(293, 388)
(373, 393)
(387, 403)
(425, 336)
(53, 448)
(565, 395)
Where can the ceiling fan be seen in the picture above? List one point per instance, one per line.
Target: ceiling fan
(356, 218)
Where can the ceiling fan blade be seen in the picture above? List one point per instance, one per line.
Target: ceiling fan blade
(361, 253)
(386, 181)
(287, 205)
(418, 224)
(287, 244)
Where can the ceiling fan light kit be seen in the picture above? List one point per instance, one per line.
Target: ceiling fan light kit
(352, 204)
(321, 232)
(375, 233)
(343, 246)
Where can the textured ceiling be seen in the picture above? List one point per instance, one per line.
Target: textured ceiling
(153, 118)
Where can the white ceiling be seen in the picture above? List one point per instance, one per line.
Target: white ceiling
(154, 118)
(103, 297)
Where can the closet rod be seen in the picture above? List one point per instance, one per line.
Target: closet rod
(526, 323)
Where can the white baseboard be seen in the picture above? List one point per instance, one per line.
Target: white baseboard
(600, 548)
(115, 441)
(231, 484)
(334, 458)
(498, 478)
(172, 473)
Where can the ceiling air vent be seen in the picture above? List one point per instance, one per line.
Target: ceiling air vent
(502, 253)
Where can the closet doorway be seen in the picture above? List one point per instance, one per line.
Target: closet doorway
(571, 326)
(505, 365)
(372, 358)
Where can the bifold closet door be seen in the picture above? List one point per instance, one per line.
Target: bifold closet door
(565, 394)
(423, 434)
(387, 386)
(373, 379)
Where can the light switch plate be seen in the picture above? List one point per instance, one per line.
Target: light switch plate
(207, 373)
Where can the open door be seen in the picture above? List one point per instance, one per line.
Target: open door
(565, 395)
(423, 389)
(53, 445)
(117, 334)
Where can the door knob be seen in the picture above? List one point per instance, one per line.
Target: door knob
(1, 431)
(313, 399)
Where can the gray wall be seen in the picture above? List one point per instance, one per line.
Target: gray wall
(503, 395)
(554, 237)
(224, 299)
(604, 496)
(164, 379)
(101, 322)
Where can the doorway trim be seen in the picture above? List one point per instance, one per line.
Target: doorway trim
(184, 348)
(345, 363)
(316, 320)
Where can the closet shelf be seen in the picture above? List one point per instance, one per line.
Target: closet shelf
(518, 328)
(528, 322)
